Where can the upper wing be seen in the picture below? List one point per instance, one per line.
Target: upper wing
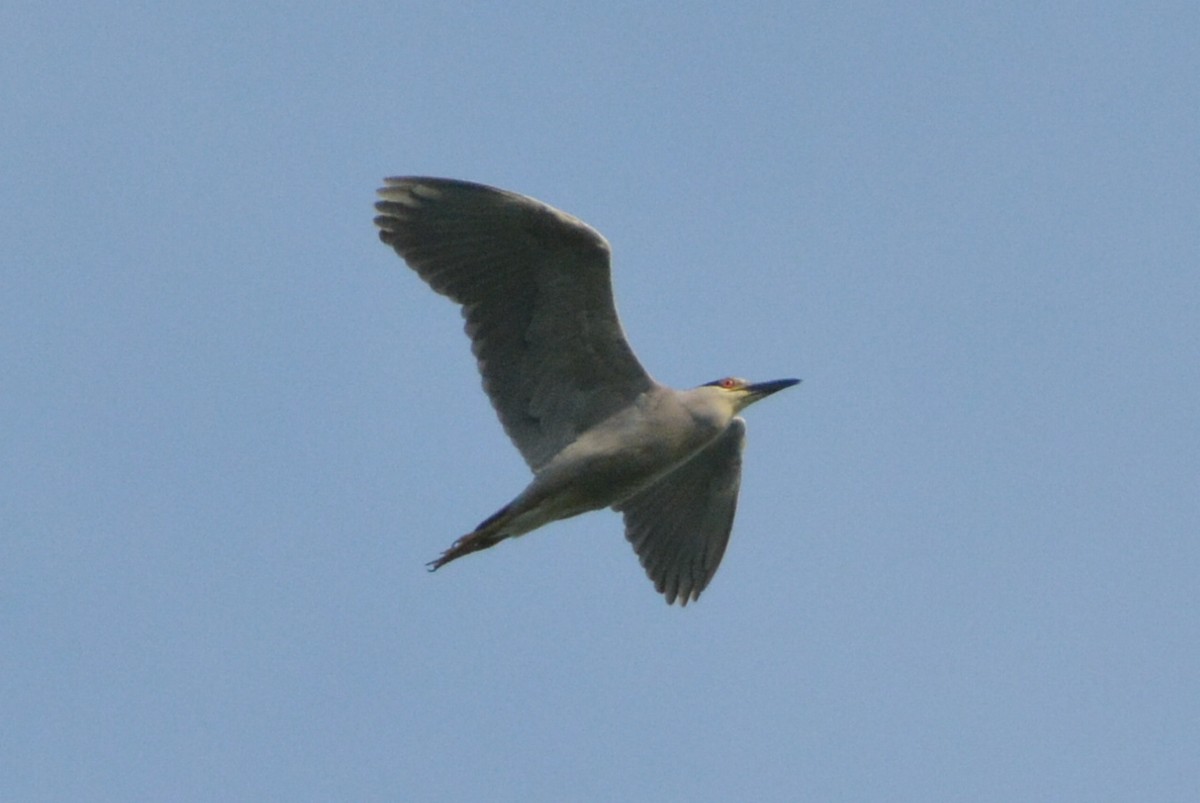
(680, 526)
(536, 294)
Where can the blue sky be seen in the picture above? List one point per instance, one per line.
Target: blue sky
(235, 426)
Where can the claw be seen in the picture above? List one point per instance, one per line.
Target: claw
(486, 535)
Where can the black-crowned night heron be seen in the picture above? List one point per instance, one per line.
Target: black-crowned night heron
(593, 426)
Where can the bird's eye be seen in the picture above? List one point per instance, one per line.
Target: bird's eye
(729, 384)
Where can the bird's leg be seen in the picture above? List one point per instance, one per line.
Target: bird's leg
(487, 534)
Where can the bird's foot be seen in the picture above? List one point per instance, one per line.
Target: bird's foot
(471, 542)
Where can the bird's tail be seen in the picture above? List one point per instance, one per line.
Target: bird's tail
(489, 533)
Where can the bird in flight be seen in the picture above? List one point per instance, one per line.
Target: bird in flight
(596, 430)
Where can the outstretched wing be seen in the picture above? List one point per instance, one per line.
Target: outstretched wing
(536, 294)
(680, 526)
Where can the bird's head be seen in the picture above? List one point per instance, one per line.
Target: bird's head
(741, 394)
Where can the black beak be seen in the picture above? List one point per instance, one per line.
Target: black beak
(760, 390)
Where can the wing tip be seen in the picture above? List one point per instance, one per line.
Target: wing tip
(410, 191)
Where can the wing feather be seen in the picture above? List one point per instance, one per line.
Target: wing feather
(536, 292)
(680, 525)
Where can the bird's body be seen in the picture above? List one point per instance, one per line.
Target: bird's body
(596, 430)
(618, 457)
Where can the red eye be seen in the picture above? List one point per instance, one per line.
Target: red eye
(729, 384)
